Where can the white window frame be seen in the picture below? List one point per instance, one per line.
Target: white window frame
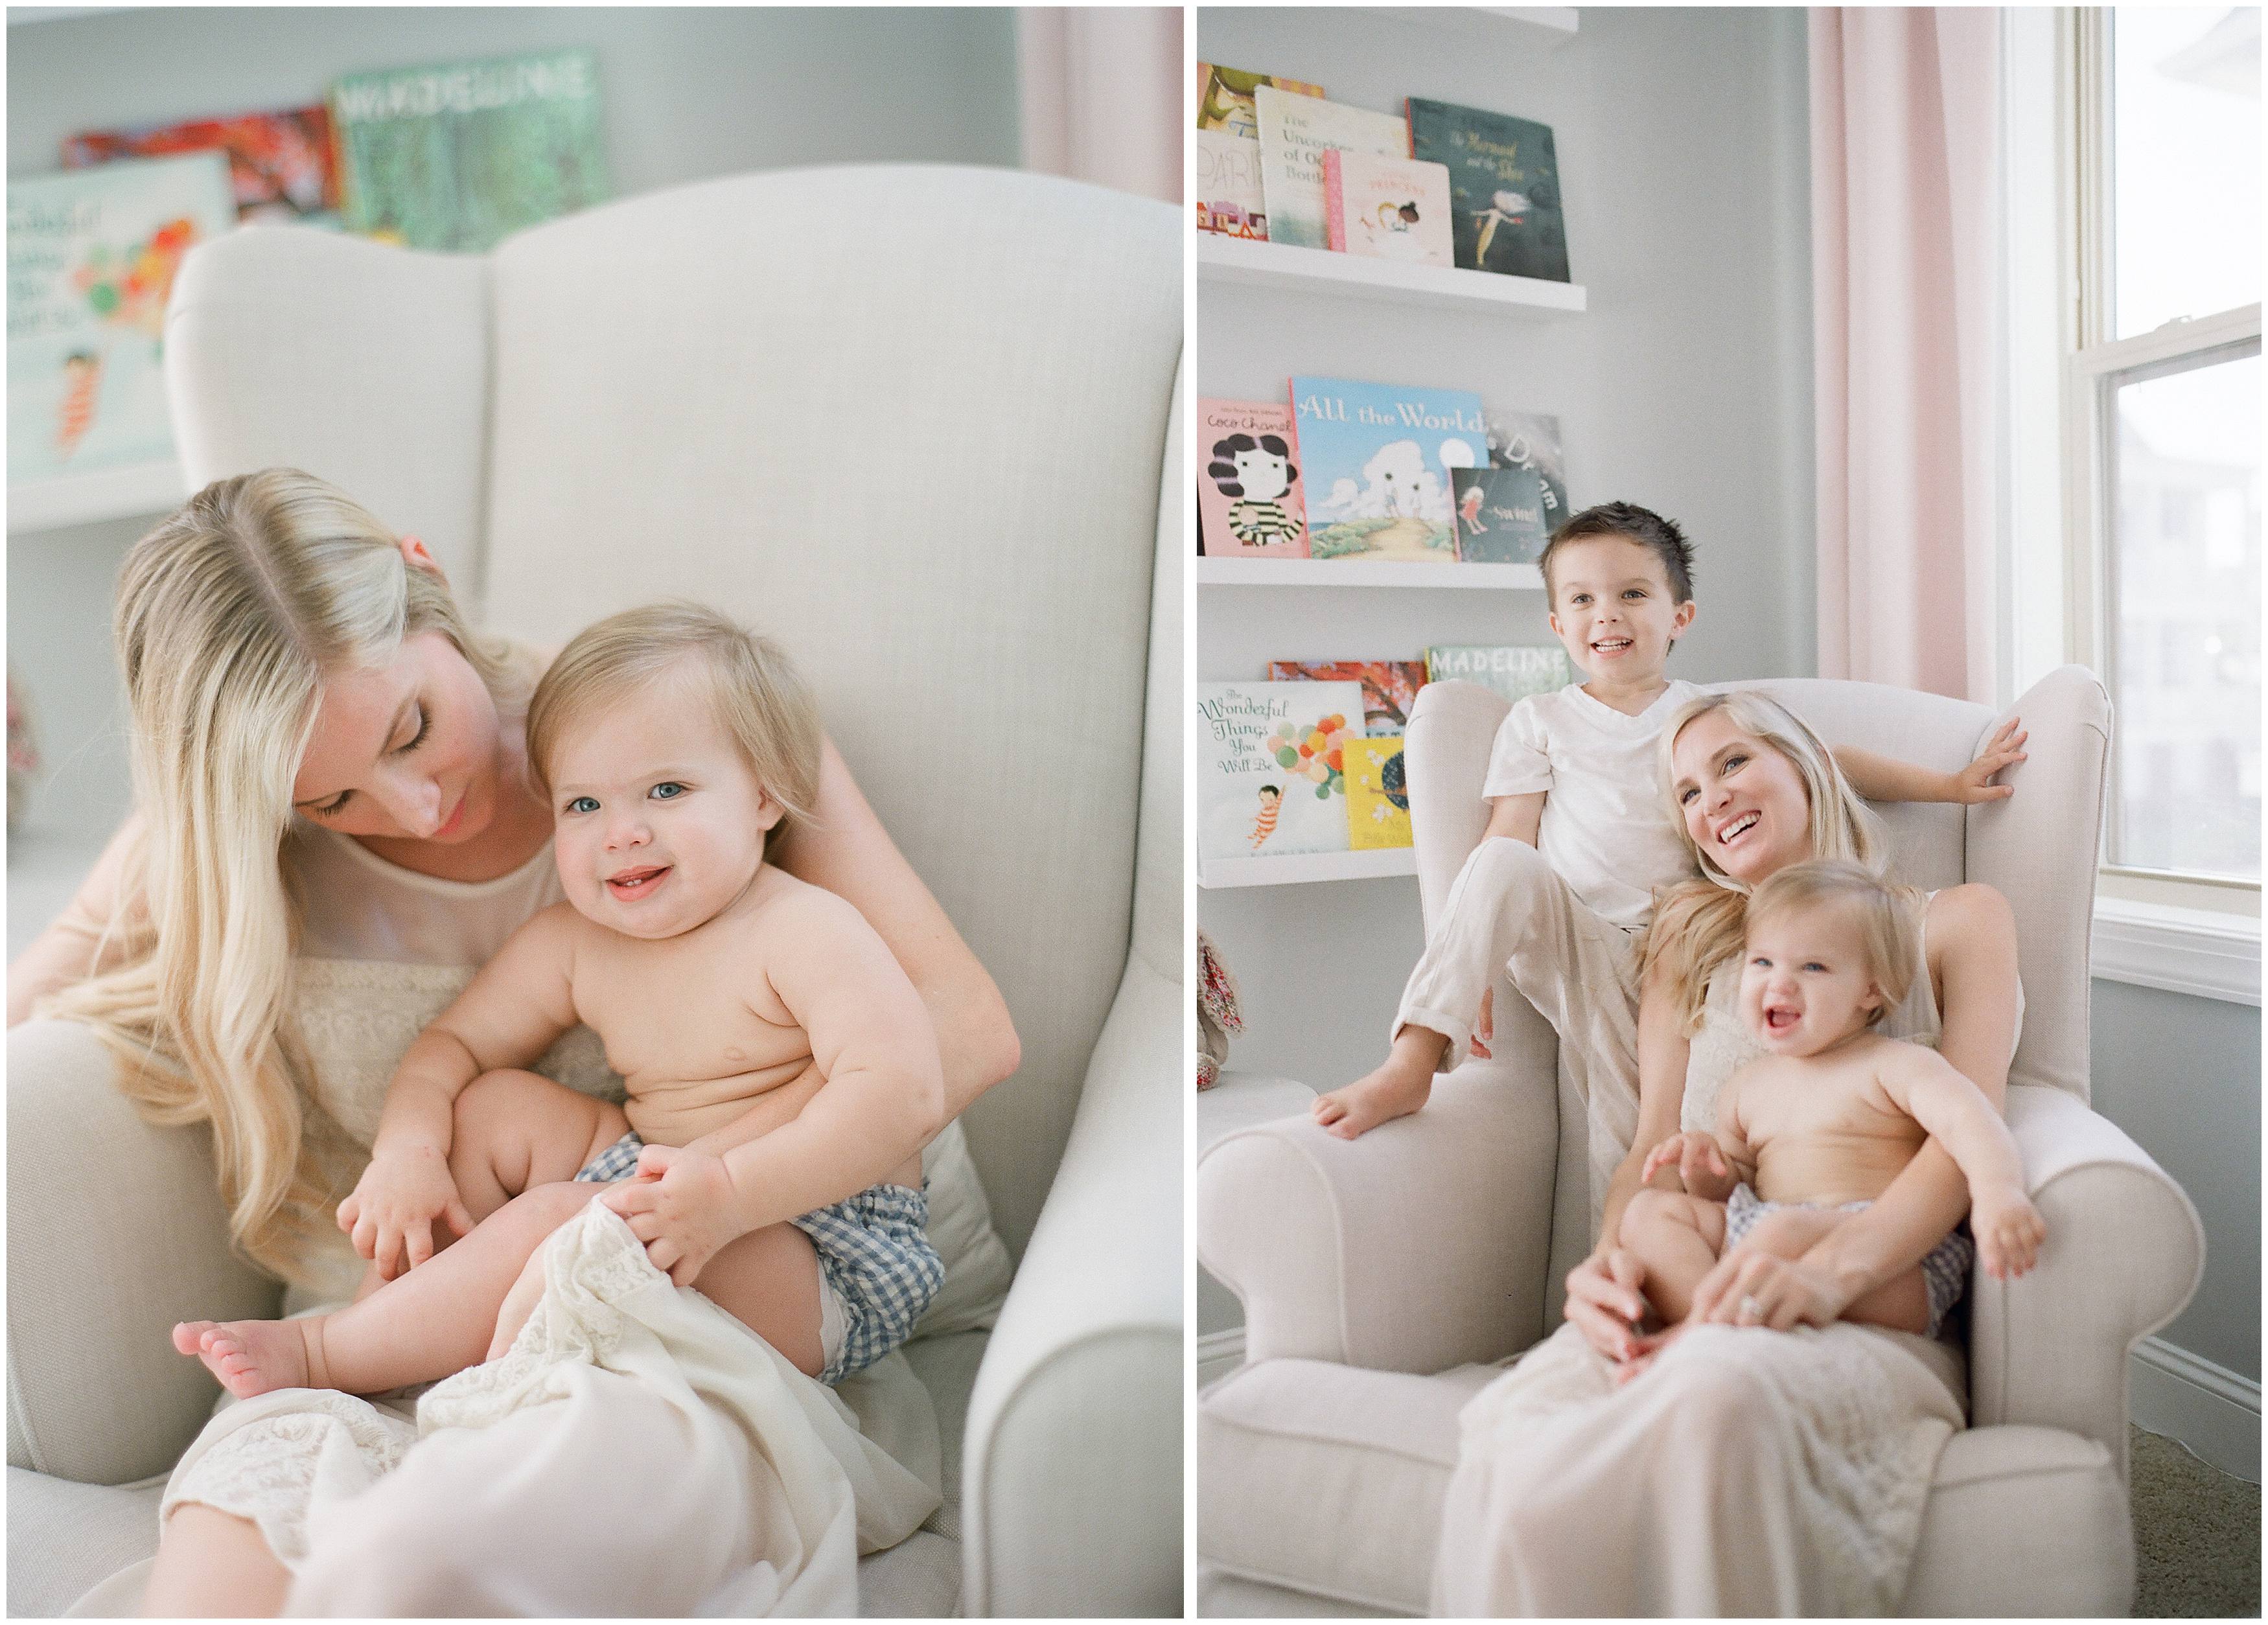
(2188, 933)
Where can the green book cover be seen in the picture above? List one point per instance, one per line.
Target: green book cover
(459, 157)
(1504, 188)
(1514, 672)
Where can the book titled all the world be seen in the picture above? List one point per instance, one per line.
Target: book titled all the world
(459, 157)
(1250, 502)
(1378, 795)
(91, 256)
(1272, 767)
(1295, 132)
(1515, 672)
(1378, 460)
(1388, 207)
(1504, 181)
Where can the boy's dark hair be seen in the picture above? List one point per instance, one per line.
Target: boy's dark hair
(1643, 525)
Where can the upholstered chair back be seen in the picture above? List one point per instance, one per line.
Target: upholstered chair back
(913, 422)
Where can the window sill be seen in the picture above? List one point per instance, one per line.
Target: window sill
(2193, 951)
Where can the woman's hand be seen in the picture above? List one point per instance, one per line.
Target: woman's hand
(1604, 1303)
(1756, 1289)
(391, 1212)
(680, 1204)
(2006, 748)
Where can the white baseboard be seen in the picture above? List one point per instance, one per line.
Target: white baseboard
(2211, 1410)
(1219, 1353)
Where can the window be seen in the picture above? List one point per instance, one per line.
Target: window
(2159, 385)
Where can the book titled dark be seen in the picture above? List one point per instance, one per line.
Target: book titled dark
(1504, 188)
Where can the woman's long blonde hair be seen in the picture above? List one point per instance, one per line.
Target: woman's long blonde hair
(230, 615)
(1698, 925)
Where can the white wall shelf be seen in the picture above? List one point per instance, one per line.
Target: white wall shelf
(1233, 572)
(1215, 874)
(1555, 24)
(123, 493)
(1235, 262)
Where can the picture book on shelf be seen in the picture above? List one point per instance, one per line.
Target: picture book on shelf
(1387, 208)
(1530, 440)
(1502, 516)
(1295, 132)
(1514, 671)
(1378, 795)
(1250, 501)
(1272, 777)
(1228, 186)
(1504, 179)
(92, 254)
(459, 157)
(1378, 460)
(1389, 688)
(282, 165)
(1225, 98)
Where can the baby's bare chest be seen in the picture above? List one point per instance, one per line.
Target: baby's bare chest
(1841, 1104)
(674, 1013)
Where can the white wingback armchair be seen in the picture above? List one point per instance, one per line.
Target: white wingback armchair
(937, 456)
(1383, 1278)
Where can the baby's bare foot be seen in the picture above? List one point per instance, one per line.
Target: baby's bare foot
(249, 1357)
(1364, 1104)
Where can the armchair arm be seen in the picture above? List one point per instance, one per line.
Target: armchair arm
(115, 1231)
(1088, 1351)
(2124, 1252)
(1419, 1247)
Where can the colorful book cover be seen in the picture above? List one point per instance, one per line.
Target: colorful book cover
(1504, 181)
(1502, 516)
(1295, 132)
(1225, 98)
(282, 166)
(92, 254)
(1228, 186)
(1513, 672)
(1389, 688)
(1378, 461)
(1250, 502)
(1377, 796)
(1388, 207)
(459, 157)
(1273, 777)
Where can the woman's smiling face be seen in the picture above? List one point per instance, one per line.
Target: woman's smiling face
(1744, 803)
(411, 749)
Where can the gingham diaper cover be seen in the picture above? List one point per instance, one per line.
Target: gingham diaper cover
(1945, 1271)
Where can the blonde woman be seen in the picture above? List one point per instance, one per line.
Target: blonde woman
(329, 763)
(1543, 1472)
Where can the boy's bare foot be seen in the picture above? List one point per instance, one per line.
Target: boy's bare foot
(1385, 1095)
(251, 1356)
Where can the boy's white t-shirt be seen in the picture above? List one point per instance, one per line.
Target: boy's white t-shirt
(1608, 828)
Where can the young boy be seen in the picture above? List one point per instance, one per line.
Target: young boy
(1817, 1127)
(1573, 775)
(772, 1049)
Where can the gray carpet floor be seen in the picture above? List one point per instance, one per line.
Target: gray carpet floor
(2197, 1536)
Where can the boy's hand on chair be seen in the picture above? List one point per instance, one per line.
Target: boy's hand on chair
(1700, 1165)
(1974, 783)
(680, 1204)
(391, 1212)
(2008, 1229)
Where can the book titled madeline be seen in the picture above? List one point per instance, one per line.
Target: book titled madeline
(1295, 132)
(459, 157)
(1272, 777)
(1379, 459)
(1504, 181)
(1515, 672)
(1250, 504)
(91, 256)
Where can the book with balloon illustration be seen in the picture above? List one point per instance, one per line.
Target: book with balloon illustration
(91, 256)
(1272, 767)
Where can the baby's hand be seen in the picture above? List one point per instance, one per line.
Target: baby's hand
(2008, 1229)
(391, 1212)
(2006, 748)
(681, 1205)
(1700, 1165)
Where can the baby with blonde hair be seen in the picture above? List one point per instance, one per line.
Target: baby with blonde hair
(1817, 1127)
(753, 1019)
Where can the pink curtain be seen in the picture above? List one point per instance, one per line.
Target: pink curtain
(1101, 95)
(1904, 224)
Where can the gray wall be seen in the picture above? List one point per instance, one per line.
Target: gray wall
(1682, 137)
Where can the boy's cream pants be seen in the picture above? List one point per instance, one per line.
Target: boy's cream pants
(1509, 908)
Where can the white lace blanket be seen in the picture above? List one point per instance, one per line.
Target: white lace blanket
(754, 1490)
(1749, 1472)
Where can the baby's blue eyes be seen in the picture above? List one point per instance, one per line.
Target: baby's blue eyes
(668, 790)
(583, 804)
